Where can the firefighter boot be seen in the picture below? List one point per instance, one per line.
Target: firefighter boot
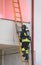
(24, 54)
(27, 57)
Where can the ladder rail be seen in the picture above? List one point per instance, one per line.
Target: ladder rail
(18, 35)
(20, 12)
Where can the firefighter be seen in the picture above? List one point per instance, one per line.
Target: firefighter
(25, 40)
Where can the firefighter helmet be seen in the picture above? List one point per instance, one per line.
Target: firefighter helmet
(23, 27)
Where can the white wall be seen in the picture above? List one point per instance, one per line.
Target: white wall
(10, 58)
(8, 32)
(37, 31)
(0, 57)
(8, 35)
(13, 58)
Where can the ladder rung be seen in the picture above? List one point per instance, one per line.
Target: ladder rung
(15, 2)
(16, 7)
(18, 17)
(17, 12)
(24, 61)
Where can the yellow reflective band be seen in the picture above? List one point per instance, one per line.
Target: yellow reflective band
(27, 52)
(23, 49)
(25, 34)
(26, 40)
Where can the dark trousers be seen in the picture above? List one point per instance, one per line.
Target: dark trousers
(25, 45)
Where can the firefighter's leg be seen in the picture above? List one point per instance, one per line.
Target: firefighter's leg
(23, 49)
(27, 46)
(27, 51)
(24, 53)
(22, 45)
(27, 55)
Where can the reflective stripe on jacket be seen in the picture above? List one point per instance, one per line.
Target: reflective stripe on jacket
(26, 40)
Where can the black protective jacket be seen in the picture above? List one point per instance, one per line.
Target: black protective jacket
(24, 35)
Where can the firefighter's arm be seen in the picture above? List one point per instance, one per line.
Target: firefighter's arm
(20, 37)
(18, 32)
(28, 35)
(28, 32)
(20, 40)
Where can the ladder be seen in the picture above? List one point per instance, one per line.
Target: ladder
(17, 11)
